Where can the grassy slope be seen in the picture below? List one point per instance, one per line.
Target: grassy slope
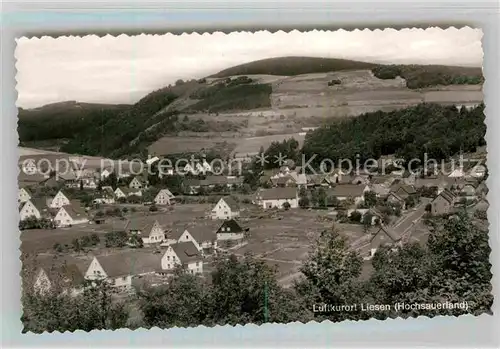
(117, 130)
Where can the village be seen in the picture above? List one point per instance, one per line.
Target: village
(100, 223)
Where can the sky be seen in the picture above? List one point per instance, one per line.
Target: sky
(123, 69)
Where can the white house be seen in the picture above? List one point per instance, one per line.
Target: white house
(345, 191)
(230, 230)
(136, 183)
(23, 195)
(107, 197)
(59, 200)
(277, 197)
(30, 209)
(69, 215)
(42, 284)
(164, 197)
(113, 273)
(151, 232)
(203, 237)
(123, 192)
(226, 208)
(66, 279)
(186, 236)
(183, 254)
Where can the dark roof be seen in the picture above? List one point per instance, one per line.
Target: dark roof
(201, 233)
(277, 193)
(131, 262)
(409, 189)
(396, 196)
(231, 203)
(186, 251)
(64, 271)
(448, 196)
(75, 211)
(391, 233)
(142, 225)
(284, 180)
(346, 190)
(233, 226)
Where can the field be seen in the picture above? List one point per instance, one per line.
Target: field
(306, 100)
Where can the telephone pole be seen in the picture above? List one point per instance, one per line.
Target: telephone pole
(266, 300)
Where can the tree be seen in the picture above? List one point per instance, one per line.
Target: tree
(286, 205)
(153, 208)
(81, 185)
(367, 222)
(93, 309)
(94, 239)
(481, 214)
(370, 198)
(77, 247)
(330, 274)
(355, 216)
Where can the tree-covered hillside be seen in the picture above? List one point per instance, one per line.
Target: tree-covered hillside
(420, 76)
(439, 131)
(289, 66)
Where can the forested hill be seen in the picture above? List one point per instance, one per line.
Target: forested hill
(440, 131)
(290, 66)
(127, 130)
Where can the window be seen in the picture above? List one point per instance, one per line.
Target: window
(168, 258)
(197, 264)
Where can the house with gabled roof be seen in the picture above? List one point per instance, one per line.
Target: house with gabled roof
(106, 196)
(383, 236)
(345, 191)
(59, 200)
(226, 208)
(230, 230)
(284, 181)
(37, 208)
(183, 254)
(125, 192)
(277, 197)
(69, 215)
(137, 183)
(64, 279)
(203, 237)
(403, 190)
(164, 197)
(150, 231)
(119, 268)
(443, 203)
(23, 195)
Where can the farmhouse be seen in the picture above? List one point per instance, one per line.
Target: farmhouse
(277, 197)
(124, 192)
(59, 200)
(230, 230)
(394, 198)
(203, 237)
(151, 232)
(23, 195)
(384, 235)
(69, 215)
(185, 255)
(137, 183)
(403, 190)
(226, 208)
(119, 268)
(65, 279)
(36, 208)
(443, 203)
(107, 196)
(345, 191)
(164, 197)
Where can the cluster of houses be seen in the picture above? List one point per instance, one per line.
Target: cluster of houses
(186, 247)
(286, 184)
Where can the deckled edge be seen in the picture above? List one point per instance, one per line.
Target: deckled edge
(271, 31)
